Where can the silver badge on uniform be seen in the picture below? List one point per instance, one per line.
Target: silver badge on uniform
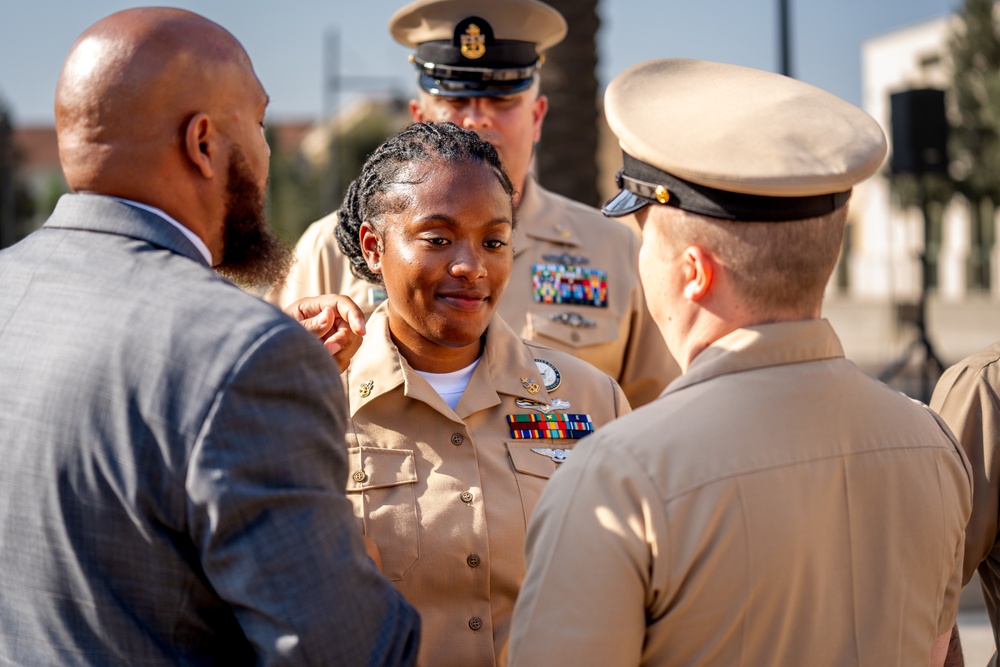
(544, 408)
(575, 320)
(557, 455)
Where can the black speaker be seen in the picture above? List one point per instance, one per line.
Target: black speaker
(919, 132)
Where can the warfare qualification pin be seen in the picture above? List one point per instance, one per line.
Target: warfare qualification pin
(550, 374)
(557, 455)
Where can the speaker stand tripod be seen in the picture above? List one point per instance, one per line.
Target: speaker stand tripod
(921, 345)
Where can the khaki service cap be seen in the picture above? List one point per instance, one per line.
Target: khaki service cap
(736, 143)
(477, 48)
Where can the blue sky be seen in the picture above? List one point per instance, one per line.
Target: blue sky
(285, 40)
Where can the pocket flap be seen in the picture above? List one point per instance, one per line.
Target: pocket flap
(375, 468)
(594, 326)
(541, 463)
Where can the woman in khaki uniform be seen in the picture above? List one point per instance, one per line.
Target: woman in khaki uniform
(455, 422)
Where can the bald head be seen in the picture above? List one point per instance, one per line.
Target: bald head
(130, 84)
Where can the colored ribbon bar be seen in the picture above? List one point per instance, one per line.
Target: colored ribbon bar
(551, 417)
(556, 434)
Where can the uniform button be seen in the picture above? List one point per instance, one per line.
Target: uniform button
(457, 439)
(359, 476)
(466, 497)
(575, 336)
(473, 560)
(475, 623)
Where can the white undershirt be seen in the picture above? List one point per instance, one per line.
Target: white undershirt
(450, 386)
(191, 236)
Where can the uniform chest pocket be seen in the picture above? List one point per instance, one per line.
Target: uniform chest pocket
(535, 461)
(382, 488)
(569, 328)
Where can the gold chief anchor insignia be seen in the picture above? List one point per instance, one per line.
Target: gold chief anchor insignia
(365, 390)
(531, 386)
(473, 42)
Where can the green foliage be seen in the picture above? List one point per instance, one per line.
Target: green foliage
(975, 137)
(17, 208)
(54, 189)
(974, 143)
(349, 150)
(293, 192)
(937, 190)
(301, 192)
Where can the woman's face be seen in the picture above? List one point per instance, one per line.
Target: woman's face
(445, 259)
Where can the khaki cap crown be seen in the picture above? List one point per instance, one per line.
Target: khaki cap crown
(730, 129)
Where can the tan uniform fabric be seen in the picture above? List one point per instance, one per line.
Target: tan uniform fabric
(966, 398)
(446, 495)
(775, 507)
(621, 339)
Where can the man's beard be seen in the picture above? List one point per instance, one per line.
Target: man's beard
(252, 256)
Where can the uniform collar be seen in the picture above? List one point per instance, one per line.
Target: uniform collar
(538, 218)
(760, 346)
(505, 368)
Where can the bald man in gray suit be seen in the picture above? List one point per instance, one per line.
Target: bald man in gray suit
(172, 447)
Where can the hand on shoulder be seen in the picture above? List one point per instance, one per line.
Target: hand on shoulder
(336, 320)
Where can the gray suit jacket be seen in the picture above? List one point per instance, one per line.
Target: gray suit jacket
(171, 464)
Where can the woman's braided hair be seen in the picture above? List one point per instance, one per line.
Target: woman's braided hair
(370, 196)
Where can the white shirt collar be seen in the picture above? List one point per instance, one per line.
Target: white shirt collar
(191, 236)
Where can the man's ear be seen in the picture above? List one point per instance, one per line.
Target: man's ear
(538, 110)
(417, 112)
(201, 144)
(699, 272)
(371, 247)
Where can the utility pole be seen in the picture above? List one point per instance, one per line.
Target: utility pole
(335, 83)
(785, 47)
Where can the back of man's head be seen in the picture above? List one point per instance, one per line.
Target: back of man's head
(776, 269)
(753, 167)
(129, 84)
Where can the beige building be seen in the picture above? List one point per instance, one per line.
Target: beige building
(881, 268)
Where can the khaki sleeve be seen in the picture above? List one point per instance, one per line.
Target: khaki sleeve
(648, 366)
(588, 550)
(968, 404)
(956, 489)
(622, 405)
(317, 266)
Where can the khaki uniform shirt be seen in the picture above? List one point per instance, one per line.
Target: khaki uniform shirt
(446, 495)
(774, 507)
(966, 398)
(555, 238)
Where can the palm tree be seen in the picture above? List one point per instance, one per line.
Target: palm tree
(567, 153)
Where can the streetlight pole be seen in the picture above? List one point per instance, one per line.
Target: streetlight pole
(784, 38)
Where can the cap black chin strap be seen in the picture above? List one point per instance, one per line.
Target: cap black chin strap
(485, 74)
(659, 186)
